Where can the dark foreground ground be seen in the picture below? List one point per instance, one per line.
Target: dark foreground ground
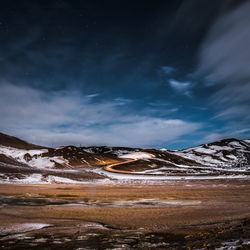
(178, 215)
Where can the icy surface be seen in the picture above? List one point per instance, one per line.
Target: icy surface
(233, 245)
(146, 178)
(121, 152)
(137, 155)
(39, 179)
(20, 228)
(19, 153)
(205, 150)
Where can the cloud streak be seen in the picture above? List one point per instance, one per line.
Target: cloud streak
(181, 87)
(69, 117)
(225, 61)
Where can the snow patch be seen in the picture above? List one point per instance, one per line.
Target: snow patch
(21, 228)
(18, 154)
(219, 148)
(88, 150)
(204, 150)
(37, 160)
(137, 155)
(121, 152)
(40, 179)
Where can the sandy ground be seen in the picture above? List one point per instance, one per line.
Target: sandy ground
(174, 215)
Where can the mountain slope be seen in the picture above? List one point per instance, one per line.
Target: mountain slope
(222, 158)
(11, 141)
(225, 153)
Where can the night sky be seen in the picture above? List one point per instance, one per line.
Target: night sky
(169, 73)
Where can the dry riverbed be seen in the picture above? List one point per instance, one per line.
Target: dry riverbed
(175, 215)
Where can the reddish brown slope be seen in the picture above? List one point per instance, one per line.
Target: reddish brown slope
(11, 141)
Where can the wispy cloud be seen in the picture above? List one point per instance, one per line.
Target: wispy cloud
(92, 95)
(69, 117)
(122, 101)
(159, 104)
(181, 87)
(225, 61)
(167, 69)
(226, 133)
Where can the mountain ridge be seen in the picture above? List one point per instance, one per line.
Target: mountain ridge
(227, 157)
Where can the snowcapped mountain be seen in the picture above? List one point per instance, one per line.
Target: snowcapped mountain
(225, 153)
(24, 162)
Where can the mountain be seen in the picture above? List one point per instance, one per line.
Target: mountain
(23, 162)
(11, 141)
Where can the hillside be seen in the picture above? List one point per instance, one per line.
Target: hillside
(22, 161)
(11, 141)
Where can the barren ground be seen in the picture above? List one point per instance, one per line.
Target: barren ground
(175, 215)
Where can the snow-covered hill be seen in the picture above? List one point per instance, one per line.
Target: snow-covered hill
(228, 153)
(20, 160)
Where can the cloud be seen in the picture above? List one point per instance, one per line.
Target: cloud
(224, 60)
(152, 131)
(167, 70)
(123, 101)
(213, 137)
(70, 117)
(92, 95)
(226, 133)
(181, 87)
(158, 103)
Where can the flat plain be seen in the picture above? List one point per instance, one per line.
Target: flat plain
(176, 215)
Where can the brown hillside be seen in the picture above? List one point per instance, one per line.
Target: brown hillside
(11, 141)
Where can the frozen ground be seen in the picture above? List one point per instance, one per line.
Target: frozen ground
(21, 228)
(33, 157)
(137, 155)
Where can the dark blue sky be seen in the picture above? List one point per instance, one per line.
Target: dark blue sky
(128, 73)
